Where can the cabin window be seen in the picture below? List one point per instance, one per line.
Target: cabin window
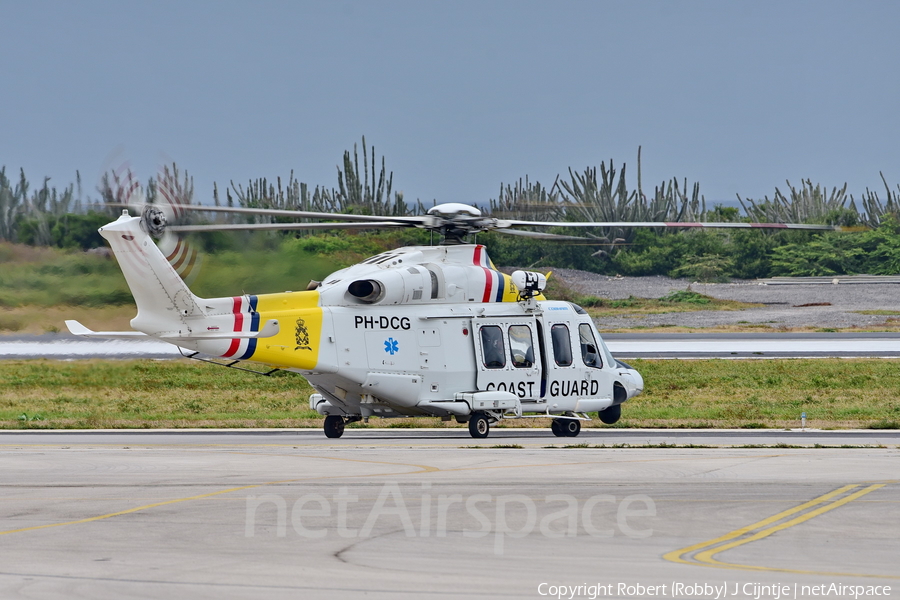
(492, 347)
(521, 350)
(562, 345)
(590, 353)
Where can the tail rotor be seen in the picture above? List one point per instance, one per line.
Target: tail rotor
(168, 197)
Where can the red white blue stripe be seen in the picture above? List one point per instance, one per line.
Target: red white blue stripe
(494, 282)
(246, 319)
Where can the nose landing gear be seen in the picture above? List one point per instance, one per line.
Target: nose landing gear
(479, 426)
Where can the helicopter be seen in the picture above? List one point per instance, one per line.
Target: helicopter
(433, 331)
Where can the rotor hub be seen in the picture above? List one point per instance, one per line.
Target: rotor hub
(154, 220)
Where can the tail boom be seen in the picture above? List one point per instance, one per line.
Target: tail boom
(284, 330)
(163, 300)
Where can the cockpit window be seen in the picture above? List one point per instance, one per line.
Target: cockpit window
(590, 353)
(562, 345)
(577, 308)
(521, 350)
(492, 347)
(609, 357)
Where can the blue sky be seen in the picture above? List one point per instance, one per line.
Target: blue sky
(458, 96)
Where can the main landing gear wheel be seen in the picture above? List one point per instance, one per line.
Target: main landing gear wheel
(565, 427)
(334, 426)
(572, 427)
(479, 427)
(556, 428)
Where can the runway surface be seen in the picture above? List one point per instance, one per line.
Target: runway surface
(754, 345)
(436, 514)
(623, 345)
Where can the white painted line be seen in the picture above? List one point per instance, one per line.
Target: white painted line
(77, 348)
(751, 346)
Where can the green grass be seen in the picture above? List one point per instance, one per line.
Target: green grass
(685, 296)
(46, 277)
(885, 424)
(42, 287)
(496, 446)
(113, 394)
(625, 445)
(834, 393)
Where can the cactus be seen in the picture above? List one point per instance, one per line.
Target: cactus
(527, 202)
(365, 195)
(809, 204)
(10, 202)
(586, 197)
(359, 190)
(875, 210)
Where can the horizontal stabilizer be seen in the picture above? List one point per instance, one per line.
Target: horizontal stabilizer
(77, 328)
(271, 328)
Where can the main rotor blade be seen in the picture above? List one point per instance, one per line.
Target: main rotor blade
(514, 223)
(548, 236)
(283, 226)
(303, 214)
(294, 214)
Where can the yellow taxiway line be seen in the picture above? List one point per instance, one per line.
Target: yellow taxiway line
(421, 469)
(766, 527)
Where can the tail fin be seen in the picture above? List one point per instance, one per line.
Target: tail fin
(163, 299)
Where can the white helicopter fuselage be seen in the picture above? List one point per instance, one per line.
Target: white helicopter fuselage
(416, 331)
(392, 361)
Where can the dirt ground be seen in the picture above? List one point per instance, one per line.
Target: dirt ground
(800, 305)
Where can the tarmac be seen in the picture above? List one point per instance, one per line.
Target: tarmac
(437, 514)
